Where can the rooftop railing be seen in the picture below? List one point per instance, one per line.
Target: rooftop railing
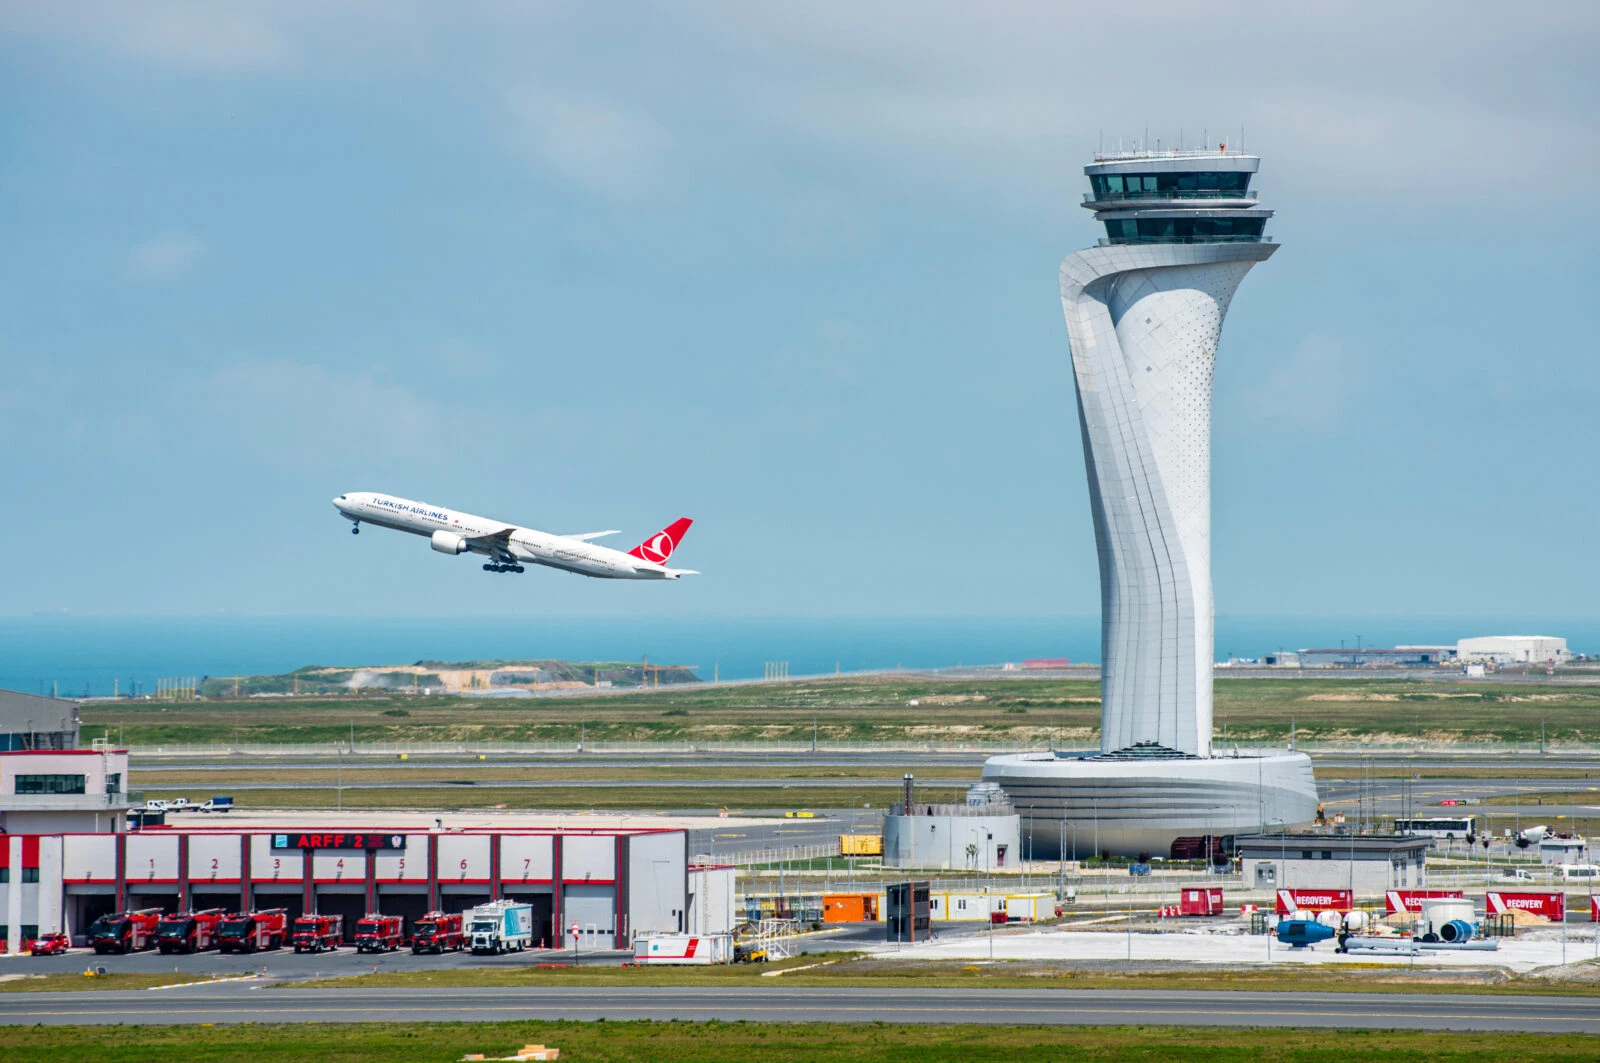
(1169, 153)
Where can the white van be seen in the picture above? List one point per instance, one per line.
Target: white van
(1579, 871)
(1520, 874)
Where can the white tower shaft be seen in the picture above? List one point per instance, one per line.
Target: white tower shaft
(1143, 322)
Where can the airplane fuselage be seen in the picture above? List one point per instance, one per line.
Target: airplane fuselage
(507, 546)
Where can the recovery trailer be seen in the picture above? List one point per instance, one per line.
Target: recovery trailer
(125, 931)
(698, 949)
(249, 931)
(378, 933)
(189, 931)
(500, 926)
(316, 933)
(437, 932)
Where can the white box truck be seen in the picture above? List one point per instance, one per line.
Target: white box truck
(499, 926)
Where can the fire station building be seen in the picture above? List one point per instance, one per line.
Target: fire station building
(612, 884)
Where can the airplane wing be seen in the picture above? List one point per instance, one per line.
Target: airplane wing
(586, 536)
(496, 544)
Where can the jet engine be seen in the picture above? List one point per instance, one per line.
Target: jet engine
(448, 542)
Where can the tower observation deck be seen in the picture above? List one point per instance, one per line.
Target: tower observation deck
(1176, 197)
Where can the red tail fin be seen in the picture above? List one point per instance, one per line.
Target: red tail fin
(659, 546)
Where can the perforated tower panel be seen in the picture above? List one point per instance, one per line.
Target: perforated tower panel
(1143, 322)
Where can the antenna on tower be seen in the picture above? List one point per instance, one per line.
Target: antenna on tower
(1205, 135)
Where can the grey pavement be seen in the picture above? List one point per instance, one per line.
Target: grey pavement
(239, 1002)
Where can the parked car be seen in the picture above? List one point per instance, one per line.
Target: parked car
(48, 944)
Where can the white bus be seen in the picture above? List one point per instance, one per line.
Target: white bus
(1446, 827)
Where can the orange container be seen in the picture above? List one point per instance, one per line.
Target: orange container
(849, 907)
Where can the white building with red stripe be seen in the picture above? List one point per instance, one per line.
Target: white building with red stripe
(614, 883)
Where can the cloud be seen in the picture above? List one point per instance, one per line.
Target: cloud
(1311, 390)
(294, 413)
(215, 37)
(602, 148)
(1403, 102)
(164, 257)
(1414, 104)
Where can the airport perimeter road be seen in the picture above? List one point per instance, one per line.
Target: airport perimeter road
(232, 1003)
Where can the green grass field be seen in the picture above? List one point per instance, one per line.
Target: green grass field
(716, 1042)
(848, 971)
(733, 798)
(1018, 711)
(51, 983)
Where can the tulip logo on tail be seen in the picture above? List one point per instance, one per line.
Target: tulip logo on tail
(659, 546)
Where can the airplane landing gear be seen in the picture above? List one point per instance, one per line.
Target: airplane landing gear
(503, 568)
(355, 529)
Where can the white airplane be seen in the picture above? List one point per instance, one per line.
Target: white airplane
(507, 546)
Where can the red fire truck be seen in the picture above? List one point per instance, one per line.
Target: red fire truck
(379, 933)
(125, 931)
(437, 932)
(189, 931)
(314, 933)
(249, 931)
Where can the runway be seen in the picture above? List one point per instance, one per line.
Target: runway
(236, 1003)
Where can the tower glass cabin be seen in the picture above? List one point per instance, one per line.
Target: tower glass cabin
(1176, 197)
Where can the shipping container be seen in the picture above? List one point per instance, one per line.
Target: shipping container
(850, 907)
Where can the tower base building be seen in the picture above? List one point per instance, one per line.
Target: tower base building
(1144, 312)
(1075, 805)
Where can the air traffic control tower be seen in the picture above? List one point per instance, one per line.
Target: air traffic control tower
(1144, 311)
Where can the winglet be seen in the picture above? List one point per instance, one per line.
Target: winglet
(659, 546)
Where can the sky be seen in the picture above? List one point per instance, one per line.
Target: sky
(786, 269)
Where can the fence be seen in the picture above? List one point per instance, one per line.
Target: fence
(359, 749)
(789, 854)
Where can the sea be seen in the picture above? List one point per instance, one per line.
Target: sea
(92, 657)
